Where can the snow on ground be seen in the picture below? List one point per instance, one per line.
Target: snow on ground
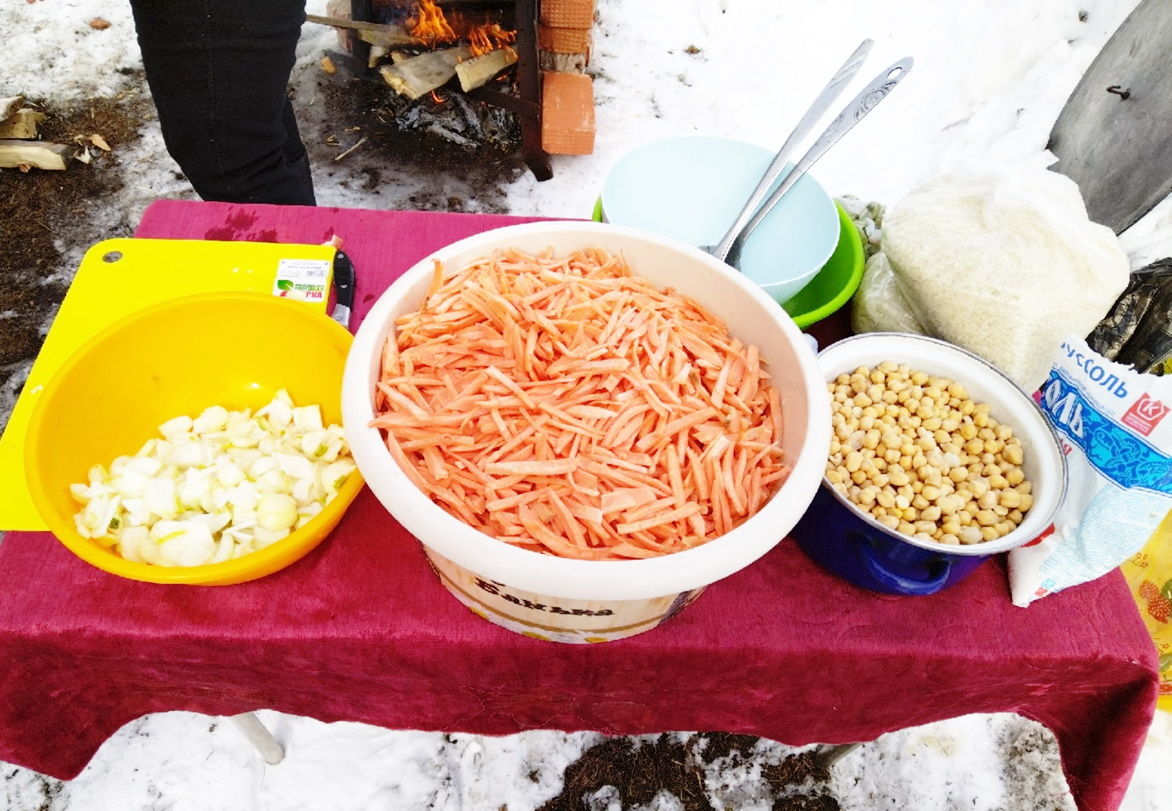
(989, 80)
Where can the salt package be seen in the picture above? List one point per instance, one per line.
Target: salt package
(1116, 432)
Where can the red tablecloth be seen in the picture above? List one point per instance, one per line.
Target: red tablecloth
(361, 630)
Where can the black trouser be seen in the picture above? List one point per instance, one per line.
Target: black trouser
(219, 72)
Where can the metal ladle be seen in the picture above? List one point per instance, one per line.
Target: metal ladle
(729, 248)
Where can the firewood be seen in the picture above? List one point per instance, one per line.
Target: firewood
(477, 71)
(10, 105)
(562, 63)
(374, 33)
(21, 124)
(421, 74)
(35, 154)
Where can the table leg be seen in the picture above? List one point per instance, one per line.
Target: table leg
(252, 729)
(829, 755)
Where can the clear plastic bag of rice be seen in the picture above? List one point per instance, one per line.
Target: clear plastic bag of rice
(1004, 263)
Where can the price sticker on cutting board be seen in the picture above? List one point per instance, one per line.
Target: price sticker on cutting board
(302, 279)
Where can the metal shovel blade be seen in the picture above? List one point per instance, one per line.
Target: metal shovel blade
(1114, 136)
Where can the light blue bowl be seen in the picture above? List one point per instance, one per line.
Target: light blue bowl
(690, 188)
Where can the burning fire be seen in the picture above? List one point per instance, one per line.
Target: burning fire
(429, 25)
(489, 37)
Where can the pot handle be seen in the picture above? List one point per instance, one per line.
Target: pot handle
(891, 581)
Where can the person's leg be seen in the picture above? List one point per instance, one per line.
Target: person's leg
(219, 71)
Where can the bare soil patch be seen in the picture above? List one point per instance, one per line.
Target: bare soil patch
(41, 210)
(633, 772)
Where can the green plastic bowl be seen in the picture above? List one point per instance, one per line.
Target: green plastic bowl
(835, 283)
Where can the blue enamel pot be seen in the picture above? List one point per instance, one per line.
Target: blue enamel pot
(848, 542)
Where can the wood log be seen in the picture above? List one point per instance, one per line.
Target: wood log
(377, 52)
(421, 74)
(477, 71)
(562, 63)
(9, 105)
(375, 33)
(22, 124)
(35, 154)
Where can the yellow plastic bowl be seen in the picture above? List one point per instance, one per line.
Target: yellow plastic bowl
(179, 357)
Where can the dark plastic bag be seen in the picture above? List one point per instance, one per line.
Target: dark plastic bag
(1137, 331)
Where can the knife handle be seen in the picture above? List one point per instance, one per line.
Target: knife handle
(344, 281)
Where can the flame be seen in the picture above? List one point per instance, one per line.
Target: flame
(430, 25)
(437, 98)
(489, 37)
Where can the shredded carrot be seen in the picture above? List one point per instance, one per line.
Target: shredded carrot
(565, 406)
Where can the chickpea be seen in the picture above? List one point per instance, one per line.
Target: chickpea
(970, 535)
(917, 453)
(950, 504)
(1013, 453)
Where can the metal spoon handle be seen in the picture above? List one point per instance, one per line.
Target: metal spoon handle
(821, 104)
(852, 114)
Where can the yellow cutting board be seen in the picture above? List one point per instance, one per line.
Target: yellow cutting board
(120, 276)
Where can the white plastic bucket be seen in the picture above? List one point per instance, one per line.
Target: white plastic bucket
(574, 600)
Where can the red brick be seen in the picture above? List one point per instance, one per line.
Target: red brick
(567, 13)
(567, 113)
(563, 40)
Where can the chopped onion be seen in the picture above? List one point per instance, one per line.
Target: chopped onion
(215, 486)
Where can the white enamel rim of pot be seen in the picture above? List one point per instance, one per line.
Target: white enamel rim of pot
(752, 316)
(1044, 464)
